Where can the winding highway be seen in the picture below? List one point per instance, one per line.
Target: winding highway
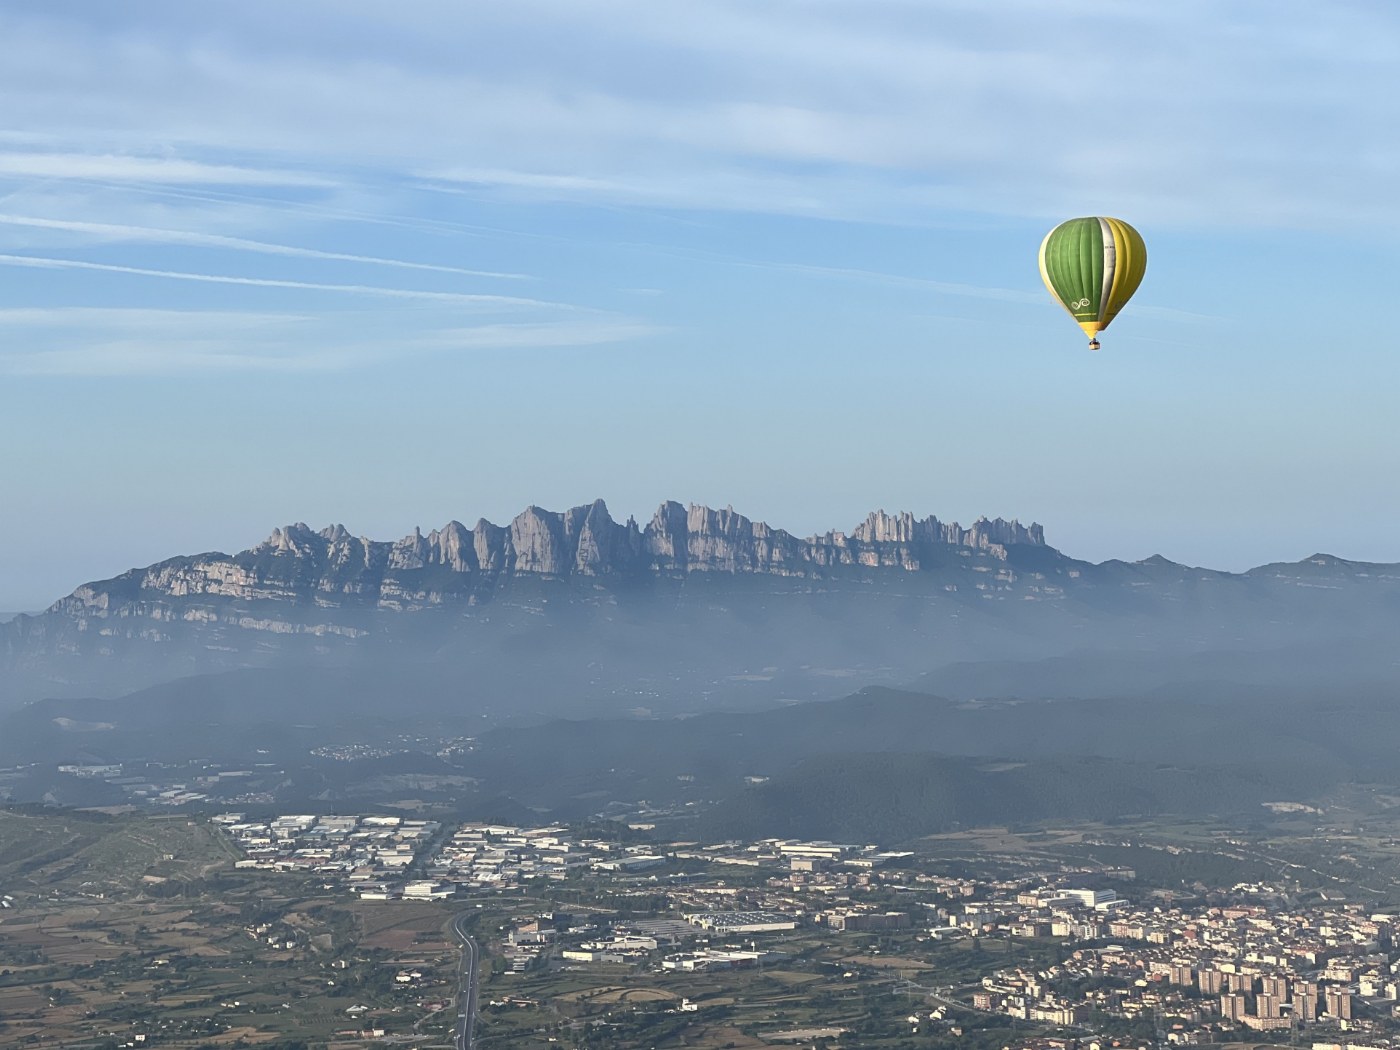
(468, 977)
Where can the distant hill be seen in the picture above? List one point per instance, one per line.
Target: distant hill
(895, 763)
(887, 799)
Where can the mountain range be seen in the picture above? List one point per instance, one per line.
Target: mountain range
(700, 608)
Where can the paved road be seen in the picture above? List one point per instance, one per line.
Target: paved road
(467, 979)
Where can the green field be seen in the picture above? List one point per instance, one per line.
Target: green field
(127, 925)
(98, 854)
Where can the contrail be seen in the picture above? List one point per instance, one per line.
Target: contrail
(214, 240)
(40, 262)
(210, 196)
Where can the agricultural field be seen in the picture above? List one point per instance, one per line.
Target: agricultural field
(95, 854)
(830, 989)
(132, 925)
(255, 968)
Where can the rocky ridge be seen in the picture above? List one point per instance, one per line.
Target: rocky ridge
(558, 601)
(332, 567)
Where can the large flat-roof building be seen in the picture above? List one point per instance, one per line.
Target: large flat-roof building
(742, 921)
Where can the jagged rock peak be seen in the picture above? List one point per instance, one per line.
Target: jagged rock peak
(880, 527)
(587, 540)
(289, 539)
(331, 568)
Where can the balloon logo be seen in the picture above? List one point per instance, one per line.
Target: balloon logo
(1093, 266)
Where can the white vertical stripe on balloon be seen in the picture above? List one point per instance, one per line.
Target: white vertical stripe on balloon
(1110, 263)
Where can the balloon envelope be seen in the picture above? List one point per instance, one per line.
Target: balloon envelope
(1093, 265)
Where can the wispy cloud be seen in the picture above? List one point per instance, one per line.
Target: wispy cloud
(507, 336)
(969, 291)
(530, 180)
(136, 319)
(147, 234)
(40, 262)
(114, 168)
(78, 342)
(879, 109)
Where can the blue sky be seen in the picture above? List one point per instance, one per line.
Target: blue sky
(329, 261)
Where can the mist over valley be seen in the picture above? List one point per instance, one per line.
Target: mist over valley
(707, 660)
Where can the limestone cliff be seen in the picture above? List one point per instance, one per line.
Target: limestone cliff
(332, 568)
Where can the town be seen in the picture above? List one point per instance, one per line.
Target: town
(1188, 966)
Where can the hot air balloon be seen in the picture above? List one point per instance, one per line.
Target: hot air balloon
(1093, 266)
